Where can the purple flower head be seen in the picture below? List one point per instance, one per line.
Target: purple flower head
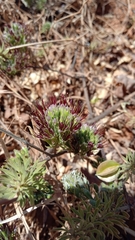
(85, 140)
(59, 124)
(57, 120)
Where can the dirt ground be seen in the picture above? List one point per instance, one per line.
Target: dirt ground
(86, 53)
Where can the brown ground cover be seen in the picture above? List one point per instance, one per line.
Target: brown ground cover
(86, 51)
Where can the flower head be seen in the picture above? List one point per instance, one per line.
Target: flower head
(59, 124)
(85, 140)
(57, 120)
(13, 60)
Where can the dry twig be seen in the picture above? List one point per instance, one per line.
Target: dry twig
(111, 109)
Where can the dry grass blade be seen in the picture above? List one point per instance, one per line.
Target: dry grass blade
(28, 210)
(111, 109)
(21, 216)
(40, 43)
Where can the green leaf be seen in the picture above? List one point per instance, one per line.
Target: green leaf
(5, 52)
(7, 194)
(9, 172)
(22, 177)
(45, 27)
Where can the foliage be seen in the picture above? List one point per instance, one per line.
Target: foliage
(128, 168)
(40, 4)
(14, 34)
(4, 235)
(12, 61)
(76, 183)
(59, 124)
(87, 222)
(85, 140)
(37, 5)
(45, 27)
(22, 178)
(94, 217)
